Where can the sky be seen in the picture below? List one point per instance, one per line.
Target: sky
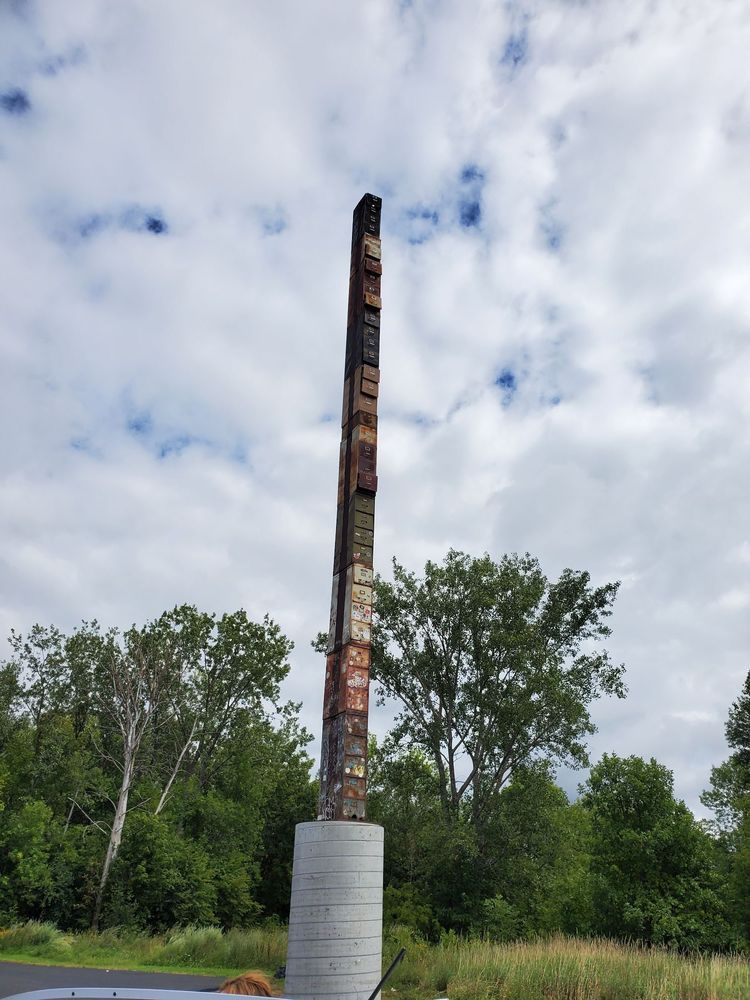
(564, 351)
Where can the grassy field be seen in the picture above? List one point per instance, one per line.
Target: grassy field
(556, 969)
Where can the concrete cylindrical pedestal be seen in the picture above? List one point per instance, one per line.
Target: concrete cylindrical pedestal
(336, 911)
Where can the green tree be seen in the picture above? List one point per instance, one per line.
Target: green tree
(160, 879)
(494, 666)
(96, 724)
(654, 871)
(537, 858)
(427, 853)
(729, 798)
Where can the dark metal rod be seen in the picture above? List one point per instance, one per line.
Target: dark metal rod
(387, 976)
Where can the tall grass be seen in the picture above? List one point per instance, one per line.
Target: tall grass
(566, 969)
(556, 969)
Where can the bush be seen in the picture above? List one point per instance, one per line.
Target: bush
(193, 946)
(406, 906)
(36, 937)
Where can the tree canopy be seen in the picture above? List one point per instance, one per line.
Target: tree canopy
(493, 666)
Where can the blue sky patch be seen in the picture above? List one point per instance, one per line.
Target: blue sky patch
(141, 424)
(550, 227)
(470, 214)
(421, 221)
(92, 224)
(470, 199)
(176, 445)
(56, 64)
(15, 101)
(272, 227)
(134, 219)
(507, 383)
(272, 219)
(471, 173)
(138, 219)
(154, 224)
(516, 50)
(421, 420)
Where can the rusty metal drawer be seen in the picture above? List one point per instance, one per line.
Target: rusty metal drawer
(367, 481)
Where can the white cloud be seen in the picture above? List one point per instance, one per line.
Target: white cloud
(607, 272)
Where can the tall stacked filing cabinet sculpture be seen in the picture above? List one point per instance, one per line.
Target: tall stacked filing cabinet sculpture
(343, 772)
(336, 908)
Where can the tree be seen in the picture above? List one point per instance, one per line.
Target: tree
(140, 676)
(427, 854)
(729, 798)
(191, 669)
(494, 667)
(654, 870)
(537, 858)
(159, 756)
(228, 666)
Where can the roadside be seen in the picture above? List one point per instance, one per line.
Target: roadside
(20, 977)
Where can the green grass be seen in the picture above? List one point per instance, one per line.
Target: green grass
(197, 950)
(556, 969)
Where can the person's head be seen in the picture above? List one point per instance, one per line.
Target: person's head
(249, 984)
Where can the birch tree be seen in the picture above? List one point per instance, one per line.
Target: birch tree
(137, 679)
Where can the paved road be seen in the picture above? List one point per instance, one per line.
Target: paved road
(18, 978)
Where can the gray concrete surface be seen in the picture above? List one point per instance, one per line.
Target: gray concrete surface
(19, 978)
(336, 911)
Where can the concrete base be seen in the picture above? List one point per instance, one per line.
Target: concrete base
(336, 912)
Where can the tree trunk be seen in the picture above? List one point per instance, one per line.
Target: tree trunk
(175, 772)
(116, 835)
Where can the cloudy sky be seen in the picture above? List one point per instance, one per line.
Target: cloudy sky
(565, 351)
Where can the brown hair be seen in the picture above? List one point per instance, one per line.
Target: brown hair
(249, 984)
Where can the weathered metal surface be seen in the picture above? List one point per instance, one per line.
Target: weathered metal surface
(361, 593)
(330, 691)
(356, 657)
(361, 554)
(371, 283)
(363, 456)
(347, 680)
(361, 419)
(353, 809)
(346, 696)
(361, 536)
(367, 481)
(363, 434)
(357, 697)
(344, 735)
(362, 574)
(368, 404)
(358, 631)
(364, 503)
(371, 247)
(363, 520)
(334, 612)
